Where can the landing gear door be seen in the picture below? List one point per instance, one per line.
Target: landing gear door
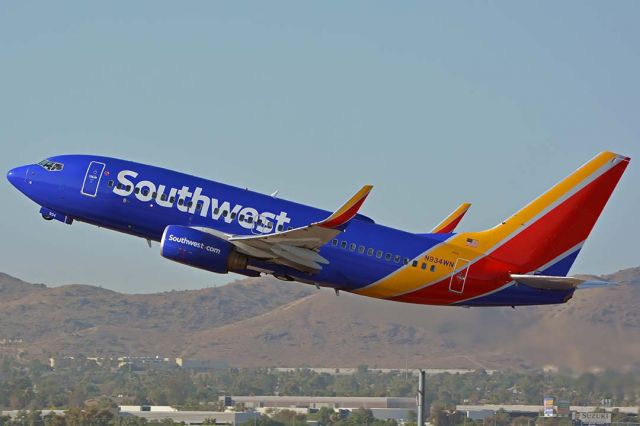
(92, 179)
(458, 279)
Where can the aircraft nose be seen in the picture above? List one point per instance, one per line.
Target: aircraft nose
(18, 176)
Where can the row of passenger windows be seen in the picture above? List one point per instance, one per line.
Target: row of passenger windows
(379, 254)
(189, 204)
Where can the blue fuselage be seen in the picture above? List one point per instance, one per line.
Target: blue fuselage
(143, 200)
(69, 192)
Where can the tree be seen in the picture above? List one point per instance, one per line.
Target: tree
(262, 420)
(289, 418)
(324, 416)
(361, 416)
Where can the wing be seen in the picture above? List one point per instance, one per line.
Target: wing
(543, 282)
(450, 222)
(299, 247)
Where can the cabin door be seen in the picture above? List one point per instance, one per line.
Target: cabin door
(92, 179)
(458, 279)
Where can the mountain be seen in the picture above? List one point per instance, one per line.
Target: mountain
(265, 322)
(84, 319)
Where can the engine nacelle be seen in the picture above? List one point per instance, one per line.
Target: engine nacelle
(200, 249)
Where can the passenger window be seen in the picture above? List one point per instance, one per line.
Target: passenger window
(224, 213)
(241, 218)
(198, 206)
(370, 252)
(110, 184)
(406, 260)
(180, 201)
(352, 246)
(120, 186)
(154, 195)
(280, 228)
(424, 265)
(289, 228)
(172, 200)
(333, 242)
(164, 197)
(414, 263)
(361, 249)
(190, 204)
(397, 259)
(145, 191)
(433, 268)
(128, 187)
(233, 215)
(343, 244)
(250, 219)
(216, 210)
(387, 256)
(379, 254)
(136, 190)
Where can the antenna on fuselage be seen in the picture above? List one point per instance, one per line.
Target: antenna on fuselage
(275, 193)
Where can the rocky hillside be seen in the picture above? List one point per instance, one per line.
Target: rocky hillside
(265, 322)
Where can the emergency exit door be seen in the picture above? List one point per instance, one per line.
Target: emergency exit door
(459, 278)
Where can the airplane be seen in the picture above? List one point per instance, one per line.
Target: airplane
(523, 260)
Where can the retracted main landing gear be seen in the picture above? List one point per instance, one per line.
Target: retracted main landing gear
(48, 214)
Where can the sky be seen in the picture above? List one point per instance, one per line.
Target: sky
(434, 103)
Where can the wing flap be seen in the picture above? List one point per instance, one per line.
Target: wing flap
(299, 247)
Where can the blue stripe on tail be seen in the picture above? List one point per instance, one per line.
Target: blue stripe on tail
(562, 266)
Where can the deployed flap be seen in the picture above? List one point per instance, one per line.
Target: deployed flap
(450, 222)
(298, 247)
(543, 282)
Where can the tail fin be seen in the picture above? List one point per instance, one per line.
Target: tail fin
(546, 235)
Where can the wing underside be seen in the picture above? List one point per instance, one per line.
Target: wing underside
(298, 248)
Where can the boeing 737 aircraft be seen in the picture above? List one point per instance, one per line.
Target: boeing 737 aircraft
(524, 260)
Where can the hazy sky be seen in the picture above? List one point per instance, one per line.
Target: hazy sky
(432, 103)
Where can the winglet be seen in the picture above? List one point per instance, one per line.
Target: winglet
(451, 221)
(347, 212)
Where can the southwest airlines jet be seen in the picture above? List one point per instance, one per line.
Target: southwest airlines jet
(524, 260)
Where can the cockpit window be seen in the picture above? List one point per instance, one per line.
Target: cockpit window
(51, 166)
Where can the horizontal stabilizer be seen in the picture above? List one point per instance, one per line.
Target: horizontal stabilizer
(543, 282)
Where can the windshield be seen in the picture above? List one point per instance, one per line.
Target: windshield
(52, 166)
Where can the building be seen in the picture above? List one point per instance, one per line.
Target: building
(202, 365)
(342, 371)
(479, 412)
(156, 413)
(382, 408)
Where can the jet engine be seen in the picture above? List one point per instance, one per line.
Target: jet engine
(200, 250)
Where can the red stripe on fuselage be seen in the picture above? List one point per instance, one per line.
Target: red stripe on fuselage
(559, 230)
